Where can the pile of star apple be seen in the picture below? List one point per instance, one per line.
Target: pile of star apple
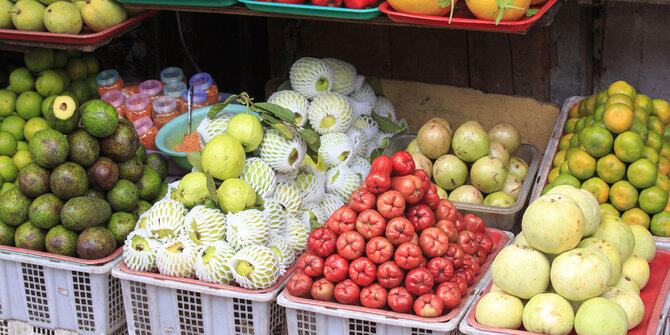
(351, 4)
(396, 245)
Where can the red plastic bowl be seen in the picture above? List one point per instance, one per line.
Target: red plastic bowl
(653, 295)
(499, 239)
(463, 19)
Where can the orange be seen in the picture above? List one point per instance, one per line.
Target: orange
(660, 224)
(663, 182)
(666, 133)
(663, 166)
(628, 146)
(642, 115)
(579, 125)
(589, 106)
(650, 154)
(424, 7)
(618, 117)
(597, 187)
(640, 129)
(581, 164)
(597, 141)
(653, 200)
(619, 99)
(636, 216)
(490, 10)
(564, 143)
(610, 169)
(602, 97)
(661, 109)
(559, 158)
(553, 173)
(665, 150)
(566, 179)
(564, 169)
(644, 102)
(599, 112)
(608, 210)
(623, 195)
(656, 125)
(654, 140)
(574, 141)
(569, 127)
(574, 111)
(621, 87)
(641, 173)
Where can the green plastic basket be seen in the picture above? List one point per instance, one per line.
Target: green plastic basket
(312, 10)
(207, 3)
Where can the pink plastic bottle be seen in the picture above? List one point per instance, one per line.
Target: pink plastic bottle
(138, 106)
(116, 99)
(151, 88)
(165, 109)
(146, 131)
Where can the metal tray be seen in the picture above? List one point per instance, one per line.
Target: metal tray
(503, 218)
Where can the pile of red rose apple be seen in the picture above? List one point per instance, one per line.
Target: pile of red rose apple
(395, 245)
(351, 4)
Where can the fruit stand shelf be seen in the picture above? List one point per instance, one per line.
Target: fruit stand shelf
(382, 20)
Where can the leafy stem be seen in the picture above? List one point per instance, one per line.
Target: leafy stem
(503, 5)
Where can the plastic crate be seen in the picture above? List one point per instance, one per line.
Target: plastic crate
(496, 217)
(59, 295)
(312, 317)
(163, 306)
(312, 10)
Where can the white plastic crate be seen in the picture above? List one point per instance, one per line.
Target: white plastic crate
(158, 306)
(54, 296)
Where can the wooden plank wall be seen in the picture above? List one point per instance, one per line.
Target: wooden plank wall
(490, 62)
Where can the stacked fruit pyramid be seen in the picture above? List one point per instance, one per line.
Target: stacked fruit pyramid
(247, 222)
(570, 267)
(395, 245)
(617, 146)
(447, 157)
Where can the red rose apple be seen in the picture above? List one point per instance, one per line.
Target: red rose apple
(448, 228)
(449, 294)
(328, 3)
(466, 274)
(428, 306)
(391, 204)
(441, 269)
(484, 242)
(408, 256)
(343, 219)
(431, 198)
(373, 296)
(445, 210)
(411, 188)
(403, 163)
(311, 264)
(321, 241)
(455, 255)
(466, 240)
(322, 290)
(474, 224)
(399, 230)
(370, 224)
(363, 271)
(419, 281)
(350, 245)
(459, 222)
(336, 268)
(433, 242)
(360, 4)
(362, 200)
(481, 256)
(400, 300)
(421, 217)
(424, 178)
(379, 250)
(470, 262)
(347, 292)
(299, 285)
(460, 282)
(390, 275)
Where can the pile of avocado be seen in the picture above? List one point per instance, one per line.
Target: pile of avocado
(89, 180)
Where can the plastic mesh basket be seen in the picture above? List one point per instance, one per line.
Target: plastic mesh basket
(52, 296)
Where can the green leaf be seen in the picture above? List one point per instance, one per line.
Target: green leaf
(311, 138)
(385, 124)
(217, 108)
(211, 188)
(194, 158)
(531, 12)
(285, 86)
(444, 3)
(266, 117)
(282, 113)
(375, 84)
(285, 130)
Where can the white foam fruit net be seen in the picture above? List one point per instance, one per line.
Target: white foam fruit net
(275, 215)
(246, 228)
(342, 181)
(209, 128)
(311, 183)
(254, 267)
(344, 75)
(294, 102)
(281, 154)
(211, 265)
(165, 219)
(205, 225)
(283, 251)
(335, 149)
(289, 197)
(176, 257)
(332, 105)
(259, 175)
(139, 251)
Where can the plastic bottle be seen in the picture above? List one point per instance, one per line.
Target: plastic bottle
(171, 74)
(165, 109)
(146, 131)
(203, 82)
(199, 100)
(108, 80)
(116, 99)
(151, 88)
(138, 106)
(176, 90)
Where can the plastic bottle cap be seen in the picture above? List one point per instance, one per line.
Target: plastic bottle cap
(142, 125)
(171, 74)
(174, 89)
(201, 81)
(151, 87)
(107, 77)
(137, 102)
(164, 104)
(198, 96)
(114, 97)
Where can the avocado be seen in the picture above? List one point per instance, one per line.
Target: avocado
(44, 212)
(131, 169)
(99, 118)
(63, 107)
(103, 174)
(84, 212)
(162, 193)
(95, 243)
(33, 180)
(14, 207)
(61, 241)
(69, 180)
(141, 152)
(64, 126)
(28, 236)
(84, 148)
(122, 144)
(7, 234)
(149, 184)
(158, 164)
(49, 148)
(142, 206)
(123, 197)
(120, 225)
(91, 193)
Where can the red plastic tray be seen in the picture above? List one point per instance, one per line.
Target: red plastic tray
(51, 256)
(463, 19)
(499, 239)
(653, 295)
(85, 38)
(124, 268)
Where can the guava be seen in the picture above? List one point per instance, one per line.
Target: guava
(466, 193)
(617, 232)
(553, 223)
(645, 246)
(449, 172)
(434, 138)
(20, 81)
(470, 142)
(247, 129)
(499, 310)
(548, 313)
(7, 102)
(507, 135)
(63, 17)
(499, 199)
(629, 301)
(192, 189)
(223, 157)
(235, 195)
(580, 273)
(637, 269)
(512, 186)
(422, 162)
(521, 240)
(609, 251)
(5, 14)
(27, 15)
(586, 201)
(521, 271)
(518, 168)
(488, 174)
(49, 83)
(627, 283)
(413, 147)
(498, 150)
(441, 193)
(601, 316)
